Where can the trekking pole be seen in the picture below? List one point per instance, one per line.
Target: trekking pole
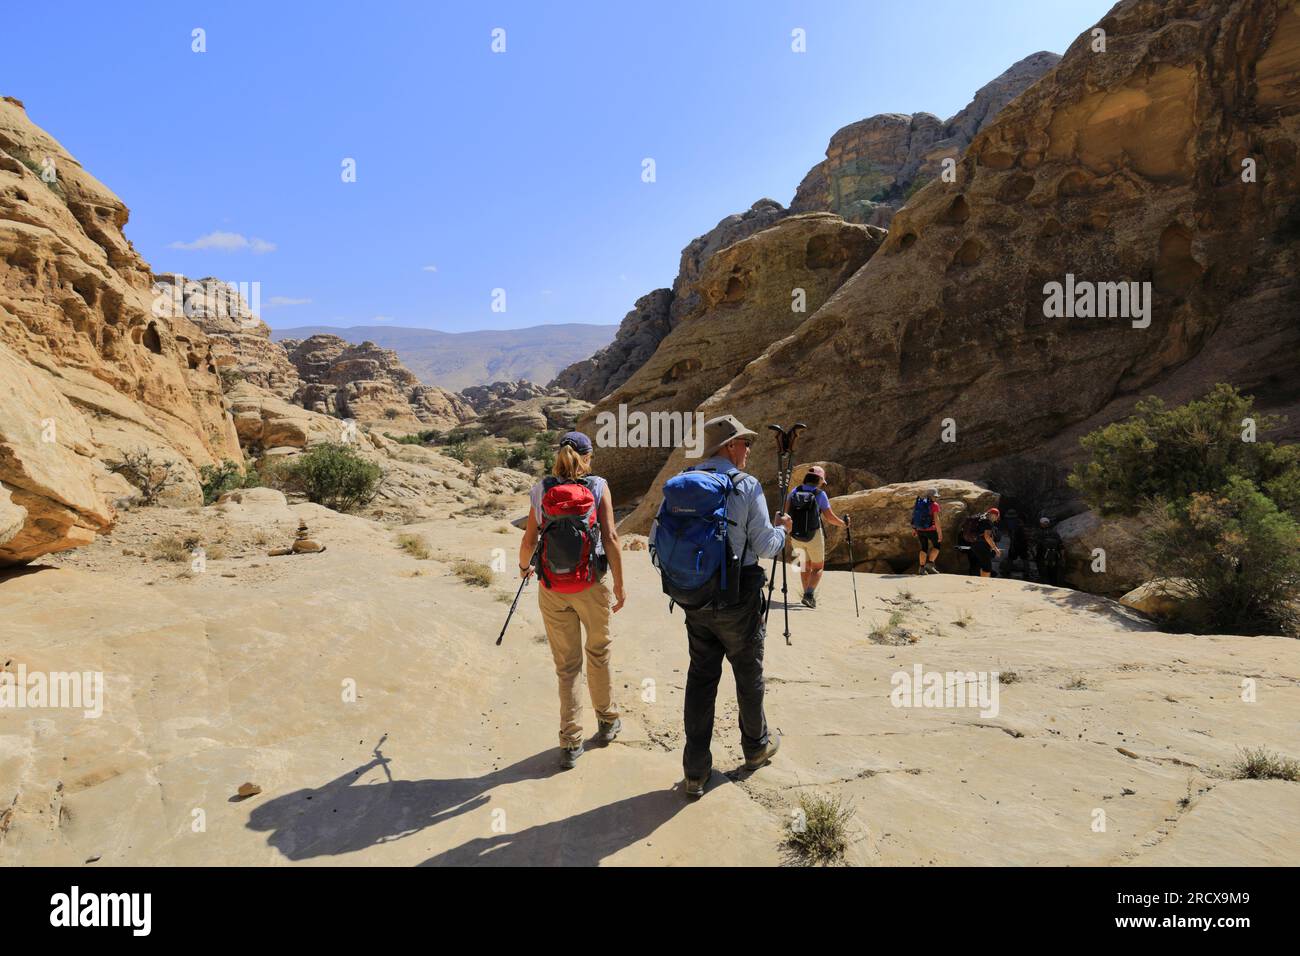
(786, 438)
(520, 591)
(848, 529)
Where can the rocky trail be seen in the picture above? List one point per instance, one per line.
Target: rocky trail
(240, 674)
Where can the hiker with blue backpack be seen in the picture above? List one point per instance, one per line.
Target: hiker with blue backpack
(925, 525)
(569, 541)
(709, 535)
(808, 506)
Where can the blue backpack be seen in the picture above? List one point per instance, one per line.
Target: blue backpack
(690, 545)
(921, 514)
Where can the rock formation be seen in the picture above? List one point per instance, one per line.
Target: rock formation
(88, 368)
(1118, 167)
(369, 384)
(874, 165)
(750, 293)
(241, 342)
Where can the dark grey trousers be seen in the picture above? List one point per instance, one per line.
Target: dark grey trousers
(737, 634)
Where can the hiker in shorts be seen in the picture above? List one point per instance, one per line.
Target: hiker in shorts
(572, 516)
(808, 506)
(730, 625)
(925, 525)
(1049, 552)
(985, 548)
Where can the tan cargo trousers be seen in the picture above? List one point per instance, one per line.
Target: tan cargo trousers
(565, 616)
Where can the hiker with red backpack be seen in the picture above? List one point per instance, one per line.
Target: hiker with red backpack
(925, 526)
(568, 542)
(708, 537)
(808, 506)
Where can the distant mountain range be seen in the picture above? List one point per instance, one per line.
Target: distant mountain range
(457, 360)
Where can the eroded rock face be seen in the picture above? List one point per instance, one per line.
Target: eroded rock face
(88, 370)
(370, 384)
(1117, 167)
(241, 342)
(745, 298)
(872, 166)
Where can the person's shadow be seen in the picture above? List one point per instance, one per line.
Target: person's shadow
(584, 839)
(339, 817)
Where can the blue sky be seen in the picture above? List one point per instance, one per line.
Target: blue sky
(519, 170)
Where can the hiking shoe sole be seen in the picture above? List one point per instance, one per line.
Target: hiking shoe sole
(773, 745)
(694, 788)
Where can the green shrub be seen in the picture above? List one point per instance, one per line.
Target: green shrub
(216, 480)
(520, 434)
(1172, 453)
(483, 456)
(517, 458)
(1239, 555)
(150, 476)
(333, 475)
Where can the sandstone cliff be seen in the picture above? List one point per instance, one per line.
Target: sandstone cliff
(89, 368)
(752, 292)
(1123, 166)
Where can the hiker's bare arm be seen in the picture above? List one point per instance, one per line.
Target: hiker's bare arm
(832, 518)
(609, 539)
(527, 545)
(988, 537)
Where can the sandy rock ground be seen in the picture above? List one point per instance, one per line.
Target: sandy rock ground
(239, 673)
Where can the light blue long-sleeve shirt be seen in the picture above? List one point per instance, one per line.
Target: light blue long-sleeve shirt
(752, 534)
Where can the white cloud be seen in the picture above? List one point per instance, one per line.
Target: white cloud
(227, 242)
(429, 269)
(382, 318)
(285, 300)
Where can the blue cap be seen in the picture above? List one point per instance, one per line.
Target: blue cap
(578, 442)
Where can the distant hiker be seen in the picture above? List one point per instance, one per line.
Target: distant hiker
(1049, 552)
(569, 540)
(808, 506)
(1018, 550)
(925, 525)
(708, 537)
(985, 546)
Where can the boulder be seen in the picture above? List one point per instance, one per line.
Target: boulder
(882, 529)
(1115, 544)
(1163, 598)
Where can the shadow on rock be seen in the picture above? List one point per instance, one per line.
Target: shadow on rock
(344, 816)
(584, 839)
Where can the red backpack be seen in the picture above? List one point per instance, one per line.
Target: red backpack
(566, 556)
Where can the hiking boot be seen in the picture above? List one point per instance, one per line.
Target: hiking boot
(810, 599)
(804, 600)
(766, 754)
(569, 757)
(605, 732)
(931, 569)
(694, 788)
